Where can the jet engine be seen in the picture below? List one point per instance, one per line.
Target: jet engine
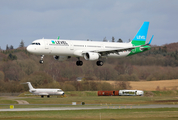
(61, 58)
(91, 56)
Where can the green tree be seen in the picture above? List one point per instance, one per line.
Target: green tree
(113, 39)
(11, 47)
(7, 47)
(12, 57)
(22, 44)
(164, 49)
(119, 40)
(104, 40)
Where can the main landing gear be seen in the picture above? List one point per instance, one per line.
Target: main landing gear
(79, 62)
(41, 61)
(42, 96)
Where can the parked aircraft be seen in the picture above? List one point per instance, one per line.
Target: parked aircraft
(90, 50)
(44, 91)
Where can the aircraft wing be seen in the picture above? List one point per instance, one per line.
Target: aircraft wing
(108, 51)
(114, 50)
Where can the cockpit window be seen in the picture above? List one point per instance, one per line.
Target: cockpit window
(59, 90)
(35, 43)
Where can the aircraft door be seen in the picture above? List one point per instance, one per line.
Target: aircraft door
(46, 44)
(71, 46)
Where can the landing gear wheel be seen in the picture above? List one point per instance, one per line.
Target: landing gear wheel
(79, 63)
(48, 96)
(41, 61)
(99, 63)
(42, 96)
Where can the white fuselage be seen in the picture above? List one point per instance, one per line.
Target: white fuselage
(74, 48)
(46, 91)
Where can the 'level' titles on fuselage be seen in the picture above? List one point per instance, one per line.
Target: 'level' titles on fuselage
(59, 43)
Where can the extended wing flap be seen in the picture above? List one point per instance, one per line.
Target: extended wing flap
(115, 50)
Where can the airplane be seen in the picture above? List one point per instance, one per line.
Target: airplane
(44, 91)
(91, 50)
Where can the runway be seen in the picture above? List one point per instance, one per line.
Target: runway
(91, 107)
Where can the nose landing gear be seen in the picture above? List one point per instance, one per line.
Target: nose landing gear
(41, 61)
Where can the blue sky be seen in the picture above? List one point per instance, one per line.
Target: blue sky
(28, 20)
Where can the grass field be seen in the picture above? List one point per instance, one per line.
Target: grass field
(152, 85)
(104, 114)
(90, 97)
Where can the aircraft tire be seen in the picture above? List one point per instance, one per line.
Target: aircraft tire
(99, 63)
(79, 63)
(41, 61)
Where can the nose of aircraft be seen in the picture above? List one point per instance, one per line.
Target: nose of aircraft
(29, 48)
